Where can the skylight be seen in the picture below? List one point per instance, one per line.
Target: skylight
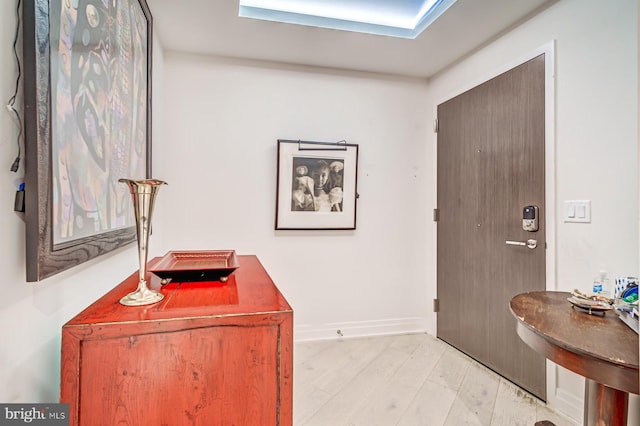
(395, 18)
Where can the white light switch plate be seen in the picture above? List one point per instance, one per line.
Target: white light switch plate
(577, 211)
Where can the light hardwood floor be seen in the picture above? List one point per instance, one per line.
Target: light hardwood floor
(405, 380)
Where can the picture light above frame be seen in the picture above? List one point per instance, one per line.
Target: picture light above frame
(316, 185)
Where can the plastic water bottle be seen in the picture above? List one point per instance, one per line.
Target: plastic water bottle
(597, 285)
(601, 284)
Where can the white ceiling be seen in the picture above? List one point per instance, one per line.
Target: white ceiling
(212, 27)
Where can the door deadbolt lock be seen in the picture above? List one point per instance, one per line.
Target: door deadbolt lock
(530, 218)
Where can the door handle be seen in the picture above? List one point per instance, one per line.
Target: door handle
(531, 243)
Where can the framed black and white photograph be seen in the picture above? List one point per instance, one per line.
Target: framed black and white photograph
(87, 94)
(316, 185)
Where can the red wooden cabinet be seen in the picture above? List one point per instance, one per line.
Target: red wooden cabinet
(209, 353)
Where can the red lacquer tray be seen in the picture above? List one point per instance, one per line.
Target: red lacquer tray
(191, 265)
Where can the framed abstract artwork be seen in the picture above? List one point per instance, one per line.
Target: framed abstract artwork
(87, 116)
(316, 185)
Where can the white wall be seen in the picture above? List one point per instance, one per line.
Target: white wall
(223, 118)
(216, 123)
(596, 112)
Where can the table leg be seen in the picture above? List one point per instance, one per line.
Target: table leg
(604, 405)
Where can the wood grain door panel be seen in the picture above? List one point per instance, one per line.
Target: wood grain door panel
(491, 165)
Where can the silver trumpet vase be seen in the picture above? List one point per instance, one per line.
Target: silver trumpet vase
(143, 194)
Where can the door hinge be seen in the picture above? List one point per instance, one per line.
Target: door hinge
(435, 125)
(436, 215)
(436, 305)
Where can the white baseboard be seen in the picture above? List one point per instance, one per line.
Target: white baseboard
(563, 401)
(569, 405)
(359, 329)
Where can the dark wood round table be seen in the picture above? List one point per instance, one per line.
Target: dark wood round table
(603, 349)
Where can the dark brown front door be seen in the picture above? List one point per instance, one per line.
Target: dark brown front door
(490, 166)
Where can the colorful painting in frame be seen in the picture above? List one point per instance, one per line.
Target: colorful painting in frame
(87, 124)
